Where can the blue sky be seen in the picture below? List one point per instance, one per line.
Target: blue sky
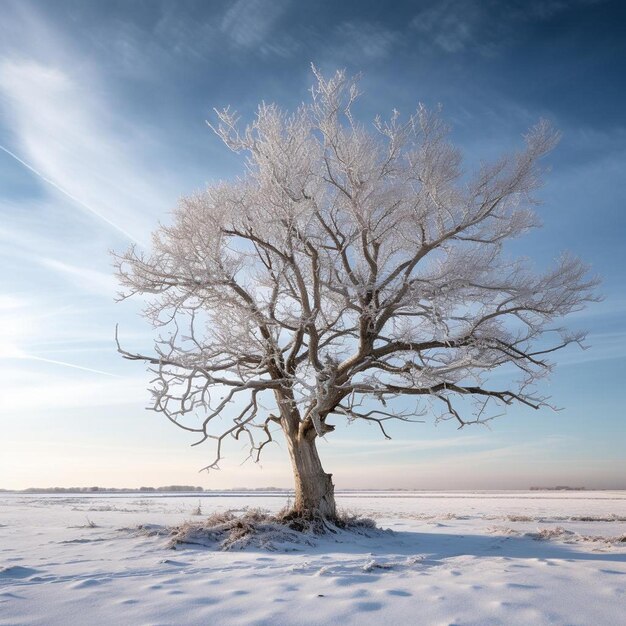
(102, 128)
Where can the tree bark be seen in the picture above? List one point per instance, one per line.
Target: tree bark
(314, 489)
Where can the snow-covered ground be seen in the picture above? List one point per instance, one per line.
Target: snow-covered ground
(452, 558)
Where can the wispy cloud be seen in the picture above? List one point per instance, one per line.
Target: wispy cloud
(496, 465)
(38, 328)
(359, 41)
(94, 281)
(61, 135)
(602, 346)
(69, 195)
(57, 394)
(455, 26)
(10, 301)
(384, 447)
(448, 25)
(248, 23)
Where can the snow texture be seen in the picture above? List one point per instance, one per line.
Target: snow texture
(448, 558)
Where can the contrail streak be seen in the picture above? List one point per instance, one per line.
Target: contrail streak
(72, 365)
(69, 195)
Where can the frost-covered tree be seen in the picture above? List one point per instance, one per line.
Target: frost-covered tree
(353, 273)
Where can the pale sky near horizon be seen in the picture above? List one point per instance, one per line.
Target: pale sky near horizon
(102, 128)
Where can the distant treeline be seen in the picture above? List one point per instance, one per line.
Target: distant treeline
(109, 489)
(166, 489)
(558, 488)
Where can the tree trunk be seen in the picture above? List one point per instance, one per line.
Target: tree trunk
(315, 492)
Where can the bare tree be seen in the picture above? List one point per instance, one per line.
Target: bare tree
(349, 268)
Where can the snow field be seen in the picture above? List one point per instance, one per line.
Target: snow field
(452, 558)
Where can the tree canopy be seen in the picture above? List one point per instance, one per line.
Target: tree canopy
(350, 267)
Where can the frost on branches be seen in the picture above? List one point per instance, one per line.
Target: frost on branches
(350, 267)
